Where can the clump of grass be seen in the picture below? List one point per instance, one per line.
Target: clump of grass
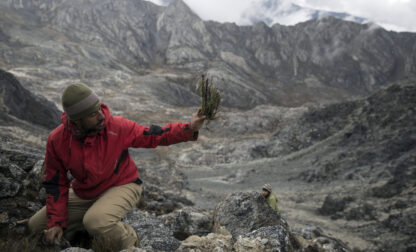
(210, 98)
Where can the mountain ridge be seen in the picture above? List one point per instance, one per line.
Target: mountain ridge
(325, 60)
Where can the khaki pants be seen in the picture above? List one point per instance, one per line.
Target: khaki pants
(99, 216)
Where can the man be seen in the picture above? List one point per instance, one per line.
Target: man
(93, 146)
(270, 197)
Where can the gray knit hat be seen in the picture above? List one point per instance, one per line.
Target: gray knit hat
(267, 187)
(78, 101)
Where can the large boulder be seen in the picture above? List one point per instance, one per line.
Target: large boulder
(188, 221)
(153, 234)
(334, 204)
(244, 212)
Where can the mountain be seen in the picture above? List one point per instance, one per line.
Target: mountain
(101, 42)
(322, 110)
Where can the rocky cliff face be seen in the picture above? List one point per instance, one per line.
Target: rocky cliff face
(20, 103)
(102, 41)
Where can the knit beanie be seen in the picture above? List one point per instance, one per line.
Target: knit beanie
(267, 187)
(78, 101)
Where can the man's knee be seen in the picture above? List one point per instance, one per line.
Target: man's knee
(96, 223)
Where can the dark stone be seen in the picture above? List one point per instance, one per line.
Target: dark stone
(8, 187)
(363, 212)
(155, 200)
(153, 234)
(400, 204)
(259, 151)
(188, 221)
(333, 205)
(411, 248)
(26, 106)
(243, 212)
(404, 222)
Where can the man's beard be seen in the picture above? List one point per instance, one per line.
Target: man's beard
(99, 126)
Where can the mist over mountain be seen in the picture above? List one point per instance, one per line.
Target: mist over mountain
(275, 11)
(323, 110)
(282, 12)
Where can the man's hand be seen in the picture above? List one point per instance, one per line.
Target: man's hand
(197, 120)
(52, 233)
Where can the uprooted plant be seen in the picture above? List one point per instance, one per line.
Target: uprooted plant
(210, 98)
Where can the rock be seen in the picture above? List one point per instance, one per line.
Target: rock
(364, 211)
(8, 187)
(404, 222)
(243, 212)
(327, 244)
(400, 204)
(26, 106)
(311, 232)
(272, 238)
(21, 193)
(211, 242)
(312, 238)
(32, 184)
(4, 218)
(411, 248)
(153, 234)
(188, 221)
(17, 172)
(155, 200)
(333, 205)
(404, 176)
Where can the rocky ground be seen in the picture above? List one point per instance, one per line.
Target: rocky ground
(344, 175)
(348, 168)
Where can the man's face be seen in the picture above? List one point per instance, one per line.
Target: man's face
(92, 122)
(265, 193)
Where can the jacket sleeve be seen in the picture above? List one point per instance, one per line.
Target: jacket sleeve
(57, 185)
(140, 136)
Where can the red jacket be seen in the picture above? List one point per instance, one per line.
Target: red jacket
(99, 161)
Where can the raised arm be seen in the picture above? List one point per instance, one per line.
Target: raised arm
(153, 136)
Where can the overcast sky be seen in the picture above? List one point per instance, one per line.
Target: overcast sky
(397, 15)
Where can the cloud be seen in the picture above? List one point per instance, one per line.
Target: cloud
(395, 15)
